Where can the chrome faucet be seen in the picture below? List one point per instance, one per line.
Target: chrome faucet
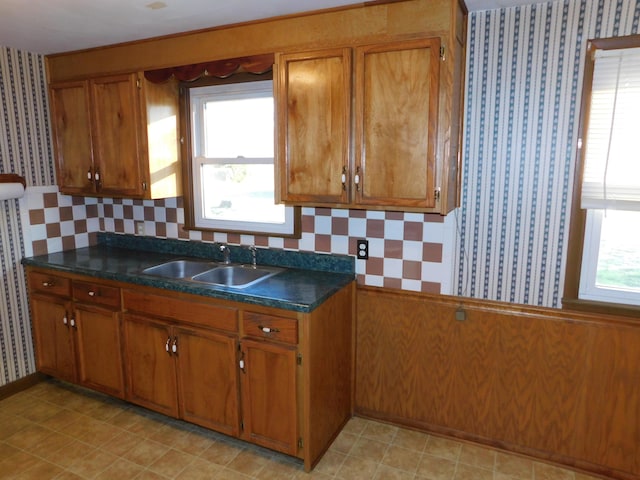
(254, 252)
(226, 254)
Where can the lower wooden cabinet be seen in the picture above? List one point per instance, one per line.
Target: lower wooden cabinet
(187, 373)
(277, 378)
(75, 339)
(269, 395)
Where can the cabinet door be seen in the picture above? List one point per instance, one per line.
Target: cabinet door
(150, 368)
(269, 407)
(99, 349)
(53, 337)
(208, 379)
(71, 123)
(314, 112)
(117, 137)
(397, 89)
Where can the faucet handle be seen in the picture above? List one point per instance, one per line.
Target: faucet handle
(254, 252)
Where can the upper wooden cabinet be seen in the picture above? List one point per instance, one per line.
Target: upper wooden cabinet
(373, 126)
(395, 95)
(116, 136)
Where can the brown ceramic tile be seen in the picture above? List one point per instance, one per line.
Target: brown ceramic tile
(92, 211)
(39, 247)
(171, 215)
(118, 225)
(234, 238)
(323, 243)
(36, 217)
(389, 282)
(413, 231)
(339, 226)
(432, 252)
(393, 248)
(50, 200)
(68, 243)
(80, 226)
(357, 213)
(411, 270)
(392, 215)
(149, 214)
(108, 210)
(430, 287)
(433, 218)
(127, 212)
(66, 214)
(375, 228)
(161, 229)
(289, 243)
(53, 230)
(323, 212)
(374, 266)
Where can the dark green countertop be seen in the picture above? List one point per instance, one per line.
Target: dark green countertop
(307, 281)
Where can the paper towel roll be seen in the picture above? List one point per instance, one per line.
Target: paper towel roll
(10, 191)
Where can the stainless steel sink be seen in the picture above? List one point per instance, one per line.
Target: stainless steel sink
(179, 268)
(238, 276)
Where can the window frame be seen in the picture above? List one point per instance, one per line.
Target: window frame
(190, 176)
(579, 227)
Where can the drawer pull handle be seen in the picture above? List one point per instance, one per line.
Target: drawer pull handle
(48, 284)
(268, 329)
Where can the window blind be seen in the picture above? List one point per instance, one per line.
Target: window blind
(611, 178)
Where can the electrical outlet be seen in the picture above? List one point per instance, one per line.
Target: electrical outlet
(139, 228)
(363, 249)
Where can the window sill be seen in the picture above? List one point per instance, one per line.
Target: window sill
(591, 306)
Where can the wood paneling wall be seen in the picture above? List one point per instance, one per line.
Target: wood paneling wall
(556, 385)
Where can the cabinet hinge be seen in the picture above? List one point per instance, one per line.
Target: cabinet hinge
(442, 53)
(299, 359)
(144, 186)
(436, 194)
(300, 443)
(242, 425)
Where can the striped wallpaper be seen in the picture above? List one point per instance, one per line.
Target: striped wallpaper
(524, 81)
(25, 149)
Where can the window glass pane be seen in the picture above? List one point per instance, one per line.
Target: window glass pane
(240, 192)
(239, 128)
(619, 252)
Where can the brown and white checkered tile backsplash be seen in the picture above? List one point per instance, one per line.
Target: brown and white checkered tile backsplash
(405, 249)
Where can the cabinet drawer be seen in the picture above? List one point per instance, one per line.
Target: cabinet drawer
(186, 311)
(279, 329)
(96, 294)
(48, 283)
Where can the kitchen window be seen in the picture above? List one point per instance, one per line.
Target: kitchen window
(610, 183)
(232, 160)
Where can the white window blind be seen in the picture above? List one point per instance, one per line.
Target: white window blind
(611, 177)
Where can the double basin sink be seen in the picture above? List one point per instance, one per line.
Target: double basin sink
(225, 275)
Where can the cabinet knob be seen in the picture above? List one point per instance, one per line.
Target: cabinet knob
(268, 329)
(174, 345)
(48, 283)
(356, 178)
(167, 345)
(89, 175)
(92, 293)
(72, 322)
(65, 320)
(344, 178)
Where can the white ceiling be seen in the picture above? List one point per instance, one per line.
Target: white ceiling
(53, 26)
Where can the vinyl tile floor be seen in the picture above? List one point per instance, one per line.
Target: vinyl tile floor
(55, 430)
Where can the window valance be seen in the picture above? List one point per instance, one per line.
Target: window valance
(220, 68)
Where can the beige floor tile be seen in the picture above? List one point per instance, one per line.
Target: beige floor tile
(65, 475)
(388, 473)
(344, 442)
(467, 472)
(145, 452)
(228, 474)
(171, 463)
(29, 436)
(68, 454)
(40, 471)
(200, 469)
(476, 456)
(16, 464)
(355, 425)
(369, 449)
(380, 432)
(120, 469)
(279, 468)
(443, 448)
(330, 463)
(436, 468)
(543, 471)
(247, 462)
(411, 439)
(402, 459)
(221, 453)
(12, 424)
(92, 463)
(149, 475)
(356, 468)
(514, 466)
(192, 442)
(40, 411)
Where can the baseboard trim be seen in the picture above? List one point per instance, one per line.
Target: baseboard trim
(21, 384)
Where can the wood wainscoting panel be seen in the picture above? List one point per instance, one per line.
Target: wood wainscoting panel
(560, 386)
